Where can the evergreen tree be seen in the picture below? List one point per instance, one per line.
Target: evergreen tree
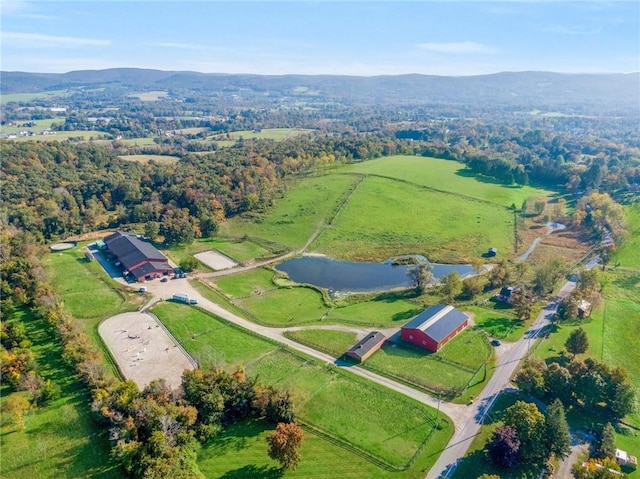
(557, 430)
(606, 442)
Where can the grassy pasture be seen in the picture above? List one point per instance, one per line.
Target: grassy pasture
(384, 218)
(18, 97)
(249, 283)
(295, 217)
(286, 307)
(148, 158)
(79, 135)
(378, 312)
(241, 251)
(265, 134)
(147, 140)
(40, 125)
(150, 95)
(447, 175)
(60, 439)
(325, 395)
(335, 343)
(451, 368)
(627, 254)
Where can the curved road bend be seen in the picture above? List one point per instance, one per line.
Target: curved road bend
(461, 441)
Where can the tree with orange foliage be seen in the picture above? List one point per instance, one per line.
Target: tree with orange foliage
(284, 444)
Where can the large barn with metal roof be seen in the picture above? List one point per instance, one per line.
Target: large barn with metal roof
(434, 327)
(140, 258)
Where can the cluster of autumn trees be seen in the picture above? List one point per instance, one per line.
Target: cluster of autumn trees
(155, 431)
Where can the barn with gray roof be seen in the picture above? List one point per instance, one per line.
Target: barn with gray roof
(139, 257)
(434, 327)
(366, 346)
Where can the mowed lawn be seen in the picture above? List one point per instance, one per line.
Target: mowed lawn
(447, 175)
(385, 217)
(60, 439)
(295, 217)
(240, 285)
(628, 254)
(450, 369)
(324, 394)
(333, 342)
(286, 307)
(212, 342)
(500, 324)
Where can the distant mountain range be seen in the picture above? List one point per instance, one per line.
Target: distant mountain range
(512, 89)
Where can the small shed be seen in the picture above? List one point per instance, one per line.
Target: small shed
(504, 295)
(366, 346)
(625, 459)
(88, 255)
(434, 327)
(584, 309)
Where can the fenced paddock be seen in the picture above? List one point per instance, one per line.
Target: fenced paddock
(143, 349)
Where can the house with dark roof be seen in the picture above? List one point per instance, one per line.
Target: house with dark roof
(434, 327)
(366, 346)
(140, 258)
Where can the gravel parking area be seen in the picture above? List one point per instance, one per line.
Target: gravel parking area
(144, 350)
(215, 260)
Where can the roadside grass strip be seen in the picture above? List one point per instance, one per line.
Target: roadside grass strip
(334, 343)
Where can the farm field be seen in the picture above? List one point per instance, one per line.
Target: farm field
(627, 254)
(324, 394)
(60, 439)
(148, 158)
(335, 343)
(32, 96)
(150, 95)
(40, 125)
(384, 218)
(449, 370)
(242, 251)
(264, 134)
(447, 175)
(296, 216)
(500, 324)
(79, 135)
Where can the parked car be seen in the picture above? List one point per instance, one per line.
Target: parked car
(142, 289)
(495, 342)
(164, 279)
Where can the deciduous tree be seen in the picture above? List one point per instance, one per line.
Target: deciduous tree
(504, 447)
(451, 285)
(577, 342)
(284, 444)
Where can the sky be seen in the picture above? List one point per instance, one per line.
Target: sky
(355, 37)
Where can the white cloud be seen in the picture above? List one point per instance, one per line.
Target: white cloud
(37, 40)
(456, 47)
(565, 30)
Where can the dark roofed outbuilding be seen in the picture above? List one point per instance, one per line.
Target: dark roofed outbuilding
(434, 327)
(366, 346)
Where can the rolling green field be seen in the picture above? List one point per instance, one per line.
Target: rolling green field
(499, 324)
(384, 218)
(41, 125)
(286, 307)
(6, 98)
(294, 219)
(239, 250)
(62, 438)
(268, 134)
(325, 395)
(628, 254)
(449, 176)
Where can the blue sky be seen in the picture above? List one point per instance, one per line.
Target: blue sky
(322, 37)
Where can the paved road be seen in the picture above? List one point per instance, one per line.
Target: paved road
(459, 444)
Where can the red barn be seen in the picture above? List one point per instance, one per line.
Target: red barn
(138, 257)
(434, 327)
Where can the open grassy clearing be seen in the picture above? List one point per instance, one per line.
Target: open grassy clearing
(242, 251)
(286, 307)
(145, 141)
(254, 282)
(384, 218)
(213, 343)
(452, 368)
(335, 343)
(150, 95)
(382, 311)
(627, 254)
(79, 135)
(265, 134)
(148, 158)
(295, 217)
(40, 125)
(325, 394)
(60, 439)
(500, 324)
(447, 175)
(6, 98)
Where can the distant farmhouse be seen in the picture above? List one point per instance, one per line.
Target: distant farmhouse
(140, 258)
(434, 327)
(366, 346)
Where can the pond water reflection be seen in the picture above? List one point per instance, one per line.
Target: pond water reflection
(343, 277)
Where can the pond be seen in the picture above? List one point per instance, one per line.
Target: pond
(344, 277)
